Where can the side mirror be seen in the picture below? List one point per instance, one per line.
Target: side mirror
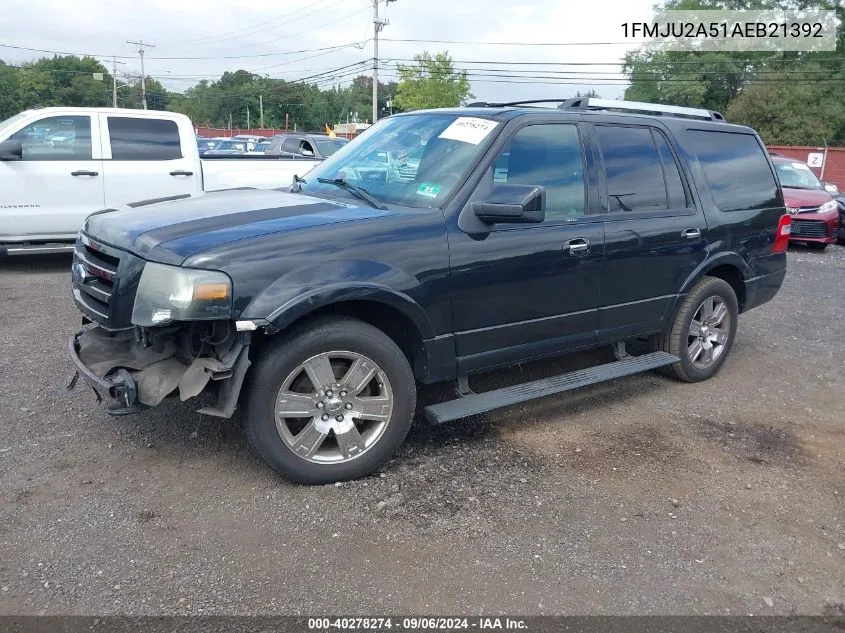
(516, 204)
(831, 188)
(307, 152)
(11, 150)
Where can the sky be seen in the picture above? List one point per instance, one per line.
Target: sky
(297, 39)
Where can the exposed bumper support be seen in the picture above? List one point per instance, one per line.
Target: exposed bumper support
(137, 376)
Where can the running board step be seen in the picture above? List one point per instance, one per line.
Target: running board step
(481, 402)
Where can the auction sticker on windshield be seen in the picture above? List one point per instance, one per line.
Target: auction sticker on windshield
(468, 129)
(428, 190)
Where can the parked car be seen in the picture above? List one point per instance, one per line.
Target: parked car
(309, 145)
(840, 202)
(206, 144)
(815, 214)
(252, 138)
(320, 309)
(231, 146)
(260, 148)
(105, 157)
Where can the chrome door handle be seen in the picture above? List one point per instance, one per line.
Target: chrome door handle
(691, 234)
(577, 247)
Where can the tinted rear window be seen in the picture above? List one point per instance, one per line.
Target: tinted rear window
(736, 168)
(144, 139)
(633, 169)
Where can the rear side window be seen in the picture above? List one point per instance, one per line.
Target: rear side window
(674, 185)
(736, 170)
(633, 169)
(143, 139)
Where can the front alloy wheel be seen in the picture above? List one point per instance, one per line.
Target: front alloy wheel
(334, 407)
(329, 400)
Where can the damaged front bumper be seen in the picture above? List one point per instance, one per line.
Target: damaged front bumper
(135, 373)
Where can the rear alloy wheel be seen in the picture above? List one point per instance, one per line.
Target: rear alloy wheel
(328, 401)
(703, 330)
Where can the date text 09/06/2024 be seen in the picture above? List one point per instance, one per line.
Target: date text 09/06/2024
(415, 624)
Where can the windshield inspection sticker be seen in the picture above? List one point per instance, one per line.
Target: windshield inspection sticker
(468, 129)
(428, 190)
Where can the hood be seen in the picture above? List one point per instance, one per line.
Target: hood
(805, 197)
(169, 230)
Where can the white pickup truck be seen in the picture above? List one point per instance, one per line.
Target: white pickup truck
(58, 165)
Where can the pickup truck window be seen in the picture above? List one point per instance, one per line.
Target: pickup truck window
(549, 156)
(329, 147)
(736, 167)
(448, 145)
(633, 171)
(56, 138)
(143, 139)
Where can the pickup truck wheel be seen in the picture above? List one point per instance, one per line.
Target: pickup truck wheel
(703, 331)
(330, 401)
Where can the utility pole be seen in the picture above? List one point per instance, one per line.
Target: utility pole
(114, 64)
(247, 117)
(141, 45)
(261, 111)
(378, 25)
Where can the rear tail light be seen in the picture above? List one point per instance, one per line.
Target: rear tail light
(782, 235)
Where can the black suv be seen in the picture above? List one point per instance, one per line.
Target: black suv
(520, 232)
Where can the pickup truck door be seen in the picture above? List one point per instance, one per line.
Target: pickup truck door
(523, 291)
(655, 236)
(146, 156)
(58, 182)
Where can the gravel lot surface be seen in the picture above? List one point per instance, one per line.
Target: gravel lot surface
(643, 495)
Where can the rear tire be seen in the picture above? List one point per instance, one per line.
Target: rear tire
(329, 401)
(703, 331)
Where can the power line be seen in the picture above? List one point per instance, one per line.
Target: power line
(222, 36)
(257, 55)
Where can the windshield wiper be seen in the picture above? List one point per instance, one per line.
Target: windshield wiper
(355, 190)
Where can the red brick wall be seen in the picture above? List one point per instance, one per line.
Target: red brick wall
(834, 170)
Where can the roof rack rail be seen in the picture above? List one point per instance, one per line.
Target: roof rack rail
(585, 103)
(504, 104)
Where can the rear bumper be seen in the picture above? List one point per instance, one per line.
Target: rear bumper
(761, 289)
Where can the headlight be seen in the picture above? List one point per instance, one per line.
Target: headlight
(169, 293)
(830, 205)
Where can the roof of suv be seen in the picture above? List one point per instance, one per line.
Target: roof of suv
(504, 113)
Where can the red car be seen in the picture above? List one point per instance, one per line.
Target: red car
(814, 212)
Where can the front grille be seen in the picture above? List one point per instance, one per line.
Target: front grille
(808, 209)
(809, 228)
(94, 276)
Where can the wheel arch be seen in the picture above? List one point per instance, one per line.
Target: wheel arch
(729, 267)
(395, 314)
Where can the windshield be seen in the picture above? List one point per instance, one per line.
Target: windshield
(796, 175)
(206, 144)
(412, 160)
(329, 147)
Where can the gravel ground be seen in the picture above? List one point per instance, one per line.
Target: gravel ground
(643, 495)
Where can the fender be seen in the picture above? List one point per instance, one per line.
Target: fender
(720, 259)
(305, 290)
(731, 259)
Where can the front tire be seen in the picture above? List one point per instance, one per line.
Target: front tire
(703, 331)
(329, 401)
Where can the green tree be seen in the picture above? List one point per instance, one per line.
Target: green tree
(9, 97)
(431, 82)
